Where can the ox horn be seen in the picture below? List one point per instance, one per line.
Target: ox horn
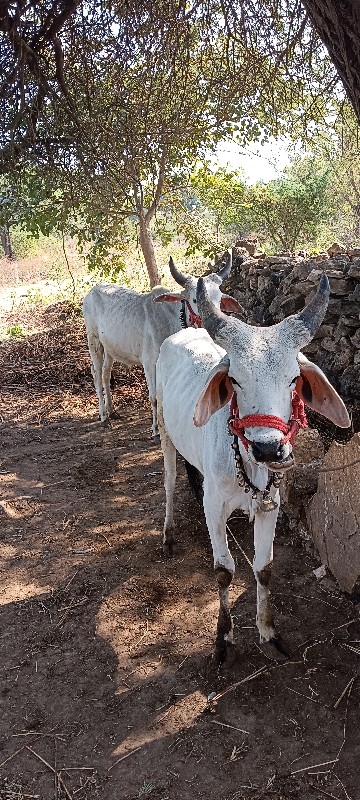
(313, 314)
(178, 276)
(225, 269)
(212, 318)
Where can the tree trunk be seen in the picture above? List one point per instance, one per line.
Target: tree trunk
(338, 24)
(5, 241)
(147, 247)
(146, 217)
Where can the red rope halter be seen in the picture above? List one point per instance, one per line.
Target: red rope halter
(290, 430)
(194, 319)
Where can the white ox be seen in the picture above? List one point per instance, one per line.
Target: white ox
(123, 325)
(259, 368)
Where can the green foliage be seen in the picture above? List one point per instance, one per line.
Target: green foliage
(222, 193)
(312, 203)
(164, 226)
(105, 246)
(137, 96)
(338, 146)
(22, 243)
(15, 331)
(146, 789)
(291, 209)
(208, 211)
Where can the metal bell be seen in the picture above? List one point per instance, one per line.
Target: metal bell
(267, 502)
(277, 479)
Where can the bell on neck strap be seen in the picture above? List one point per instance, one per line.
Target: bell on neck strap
(267, 503)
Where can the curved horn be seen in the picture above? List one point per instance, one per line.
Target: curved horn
(313, 314)
(212, 318)
(225, 269)
(178, 276)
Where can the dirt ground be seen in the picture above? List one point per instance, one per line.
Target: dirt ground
(106, 647)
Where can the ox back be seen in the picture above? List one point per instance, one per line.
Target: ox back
(129, 324)
(125, 326)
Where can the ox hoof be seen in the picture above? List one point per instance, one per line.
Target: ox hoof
(168, 549)
(275, 649)
(104, 424)
(225, 654)
(156, 439)
(114, 415)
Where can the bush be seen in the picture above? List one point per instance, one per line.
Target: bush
(16, 331)
(26, 245)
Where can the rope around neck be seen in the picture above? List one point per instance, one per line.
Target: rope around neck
(194, 319)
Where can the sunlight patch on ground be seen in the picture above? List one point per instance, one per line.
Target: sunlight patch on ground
(8, 551)
(138, 623)
(16, 591)
(169, 721)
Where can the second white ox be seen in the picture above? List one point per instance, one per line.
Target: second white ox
(258, 369)
(123, 325)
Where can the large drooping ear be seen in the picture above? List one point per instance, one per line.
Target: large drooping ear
(315, 390)
(170, 297)
(229, 304)
(215, 395)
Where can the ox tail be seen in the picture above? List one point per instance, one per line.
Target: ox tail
(196, 481)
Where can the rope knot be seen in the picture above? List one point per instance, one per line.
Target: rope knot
(194, 319)
(290, 430)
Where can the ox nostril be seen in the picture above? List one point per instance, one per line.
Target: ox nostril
(267, 451)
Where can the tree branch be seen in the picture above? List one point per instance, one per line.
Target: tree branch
(159, 188)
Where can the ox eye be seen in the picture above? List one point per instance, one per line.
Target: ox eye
(234, 382)
(194, 300)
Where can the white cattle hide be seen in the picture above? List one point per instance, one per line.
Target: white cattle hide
(195, 380)
(123, 325)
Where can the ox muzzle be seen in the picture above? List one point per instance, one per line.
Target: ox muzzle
(272, 453)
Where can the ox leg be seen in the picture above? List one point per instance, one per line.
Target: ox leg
(106, 374)
(151, 382)
(97, 356)
(224, 566)
(169, 453)
(264, 532)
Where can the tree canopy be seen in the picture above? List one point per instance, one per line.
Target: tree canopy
(107, 106)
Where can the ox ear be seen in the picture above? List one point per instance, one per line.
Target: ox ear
(217, 392)
(171, 297)
(315, 390)
(230, 304)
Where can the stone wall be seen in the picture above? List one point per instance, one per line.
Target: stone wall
(272, 287)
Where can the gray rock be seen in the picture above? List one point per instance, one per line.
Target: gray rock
(320, 257)
(354, 270)
(249, 244)
(329, 344)
(324, 330)
(280, 261)
(340, 287)
(334, 513)
(335, 249)
(301, 481)
(355, 340)
(349, 383)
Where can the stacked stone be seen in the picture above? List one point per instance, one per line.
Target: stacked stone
(272, 287)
